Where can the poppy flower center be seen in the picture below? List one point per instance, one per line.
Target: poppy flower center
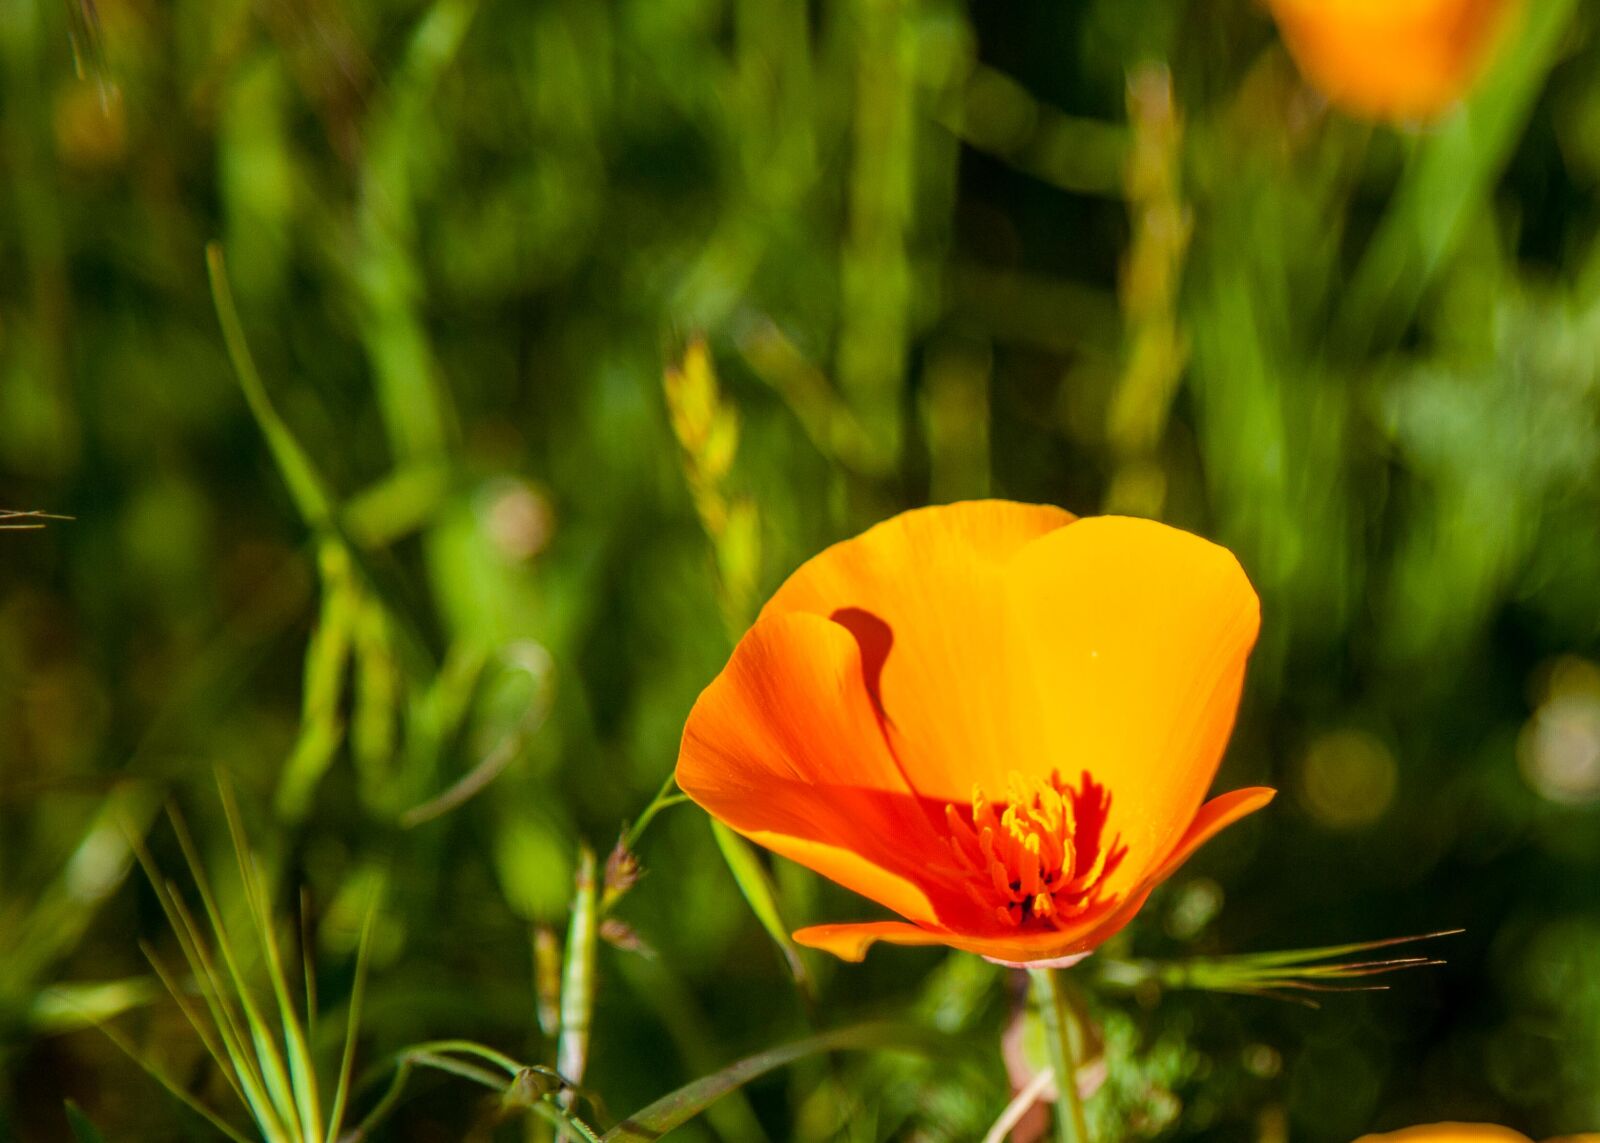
(1039, 857)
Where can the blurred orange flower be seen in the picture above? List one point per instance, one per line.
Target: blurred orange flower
(992, 719)
(1465, 1133)
(1392, 59)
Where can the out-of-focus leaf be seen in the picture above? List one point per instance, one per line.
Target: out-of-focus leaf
(98, 865)
(68, 1007)
(1449, 178)
(515, 705)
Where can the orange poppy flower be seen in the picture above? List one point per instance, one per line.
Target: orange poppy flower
(1465, 1133)
(992, 719)
(1392, 59)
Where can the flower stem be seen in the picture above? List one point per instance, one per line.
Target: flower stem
(1061, 1035)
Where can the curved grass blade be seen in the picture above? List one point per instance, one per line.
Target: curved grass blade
(521, 658)
(512, 1085)
(756, 885)
(674, 1110)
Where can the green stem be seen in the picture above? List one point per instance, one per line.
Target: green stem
(1060, 1030)
(577, 985)
(664, 797)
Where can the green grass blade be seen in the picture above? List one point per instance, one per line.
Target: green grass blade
(677, 1010)
(242, 1057)
(209, 1036)
(235, 1060)
(674, 1110)
(468, 1048)
(302, 1068)
(263, 1038)
(1450, 177)
(358, 992)
(756, 885)
(68, 1007)
(172, 1087)
(305, 483)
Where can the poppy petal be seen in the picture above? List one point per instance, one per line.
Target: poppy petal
(785, 747)
(858, 874)
(1451, 1133)
(1413, 59)
(851, 941)
(923, 595)
(1130, 640)
(1214, 817)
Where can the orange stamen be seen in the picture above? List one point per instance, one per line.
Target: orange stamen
(1040, 856)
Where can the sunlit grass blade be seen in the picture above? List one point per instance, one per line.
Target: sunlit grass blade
(228, 1049)
(67, 1007)
(302, 1069)
(264, 1056)
(677, 1108)
(762, 895)
(267, 1096)
(358, 993)
(263, 1037)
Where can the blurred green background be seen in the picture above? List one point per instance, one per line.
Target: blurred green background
(1107, 255)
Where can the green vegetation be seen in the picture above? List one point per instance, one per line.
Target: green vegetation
(423, 394)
